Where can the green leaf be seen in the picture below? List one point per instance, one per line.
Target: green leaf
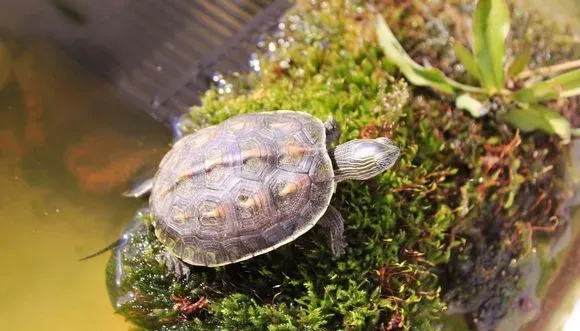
(537, 117)
(415, 73)
(562, 86)
(490, 29)
(468, 60)
(472, 105)
(521, 61)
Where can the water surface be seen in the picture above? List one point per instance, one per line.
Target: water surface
(67, 149)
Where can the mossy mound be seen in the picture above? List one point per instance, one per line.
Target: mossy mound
(454, 174)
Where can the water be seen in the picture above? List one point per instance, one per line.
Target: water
(67, 150)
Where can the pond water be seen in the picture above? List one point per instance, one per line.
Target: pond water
(68, 148)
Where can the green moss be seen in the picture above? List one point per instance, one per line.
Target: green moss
(402, 227)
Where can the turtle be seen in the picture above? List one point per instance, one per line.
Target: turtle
(254, 182)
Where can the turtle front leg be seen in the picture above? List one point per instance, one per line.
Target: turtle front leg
(174, 264)
(332, 224)
(186, 124)
(332, 131)
(178, 126)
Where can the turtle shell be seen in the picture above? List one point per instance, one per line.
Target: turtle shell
(242, 188)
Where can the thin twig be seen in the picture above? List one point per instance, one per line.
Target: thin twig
(549, 69)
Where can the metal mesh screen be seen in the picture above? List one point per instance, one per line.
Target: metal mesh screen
(162, 53)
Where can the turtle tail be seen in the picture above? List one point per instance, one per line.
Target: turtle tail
(112, 245)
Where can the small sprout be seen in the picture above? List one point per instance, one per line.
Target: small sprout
(473, 106)
(488, 64)
(562, 86)
(467, 60)
(490, 30)
(413, 71)
(521, 61)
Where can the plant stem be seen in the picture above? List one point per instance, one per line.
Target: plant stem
(549, 69)
(467, 88)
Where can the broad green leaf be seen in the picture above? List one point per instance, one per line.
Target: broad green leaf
(490, 29)
(521, 61)
(472, 105)
(415, 73)
(467, 59)
(562, 86)
(537, 117)
(5, 64)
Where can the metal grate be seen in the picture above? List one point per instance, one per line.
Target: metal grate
(162, 53)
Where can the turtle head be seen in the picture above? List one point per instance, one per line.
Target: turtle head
(364, 158)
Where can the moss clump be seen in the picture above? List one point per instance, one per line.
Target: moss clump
(511, 194)
(455, 174)
(396, 223)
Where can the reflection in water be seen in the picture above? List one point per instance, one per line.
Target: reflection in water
(67, 151)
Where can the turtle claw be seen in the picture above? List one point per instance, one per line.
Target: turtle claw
(338, 246)
(175, 265)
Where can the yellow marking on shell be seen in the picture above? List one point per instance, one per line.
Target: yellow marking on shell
(215, 213)
(293, 150)
(213, 163)
(188, 253)
(292, 187)
(279, 125)
(247, 203)
(251, 153)
(211, 257)
(241, 123)
(237, 125)
(248, 207)
(181, 217)
(161, 233)
(170, 243)
(203, 136)
(289, 188)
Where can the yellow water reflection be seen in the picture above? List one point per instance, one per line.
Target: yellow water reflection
(43, 285)
(67, 150)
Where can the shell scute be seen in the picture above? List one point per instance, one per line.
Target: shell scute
(280, 126)
(254, 242)
(252, 205)
(234, 248)
(218, 170)
(289, 191)
(274, 234)
(243, 124)
(296, 153)
(257, 157)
